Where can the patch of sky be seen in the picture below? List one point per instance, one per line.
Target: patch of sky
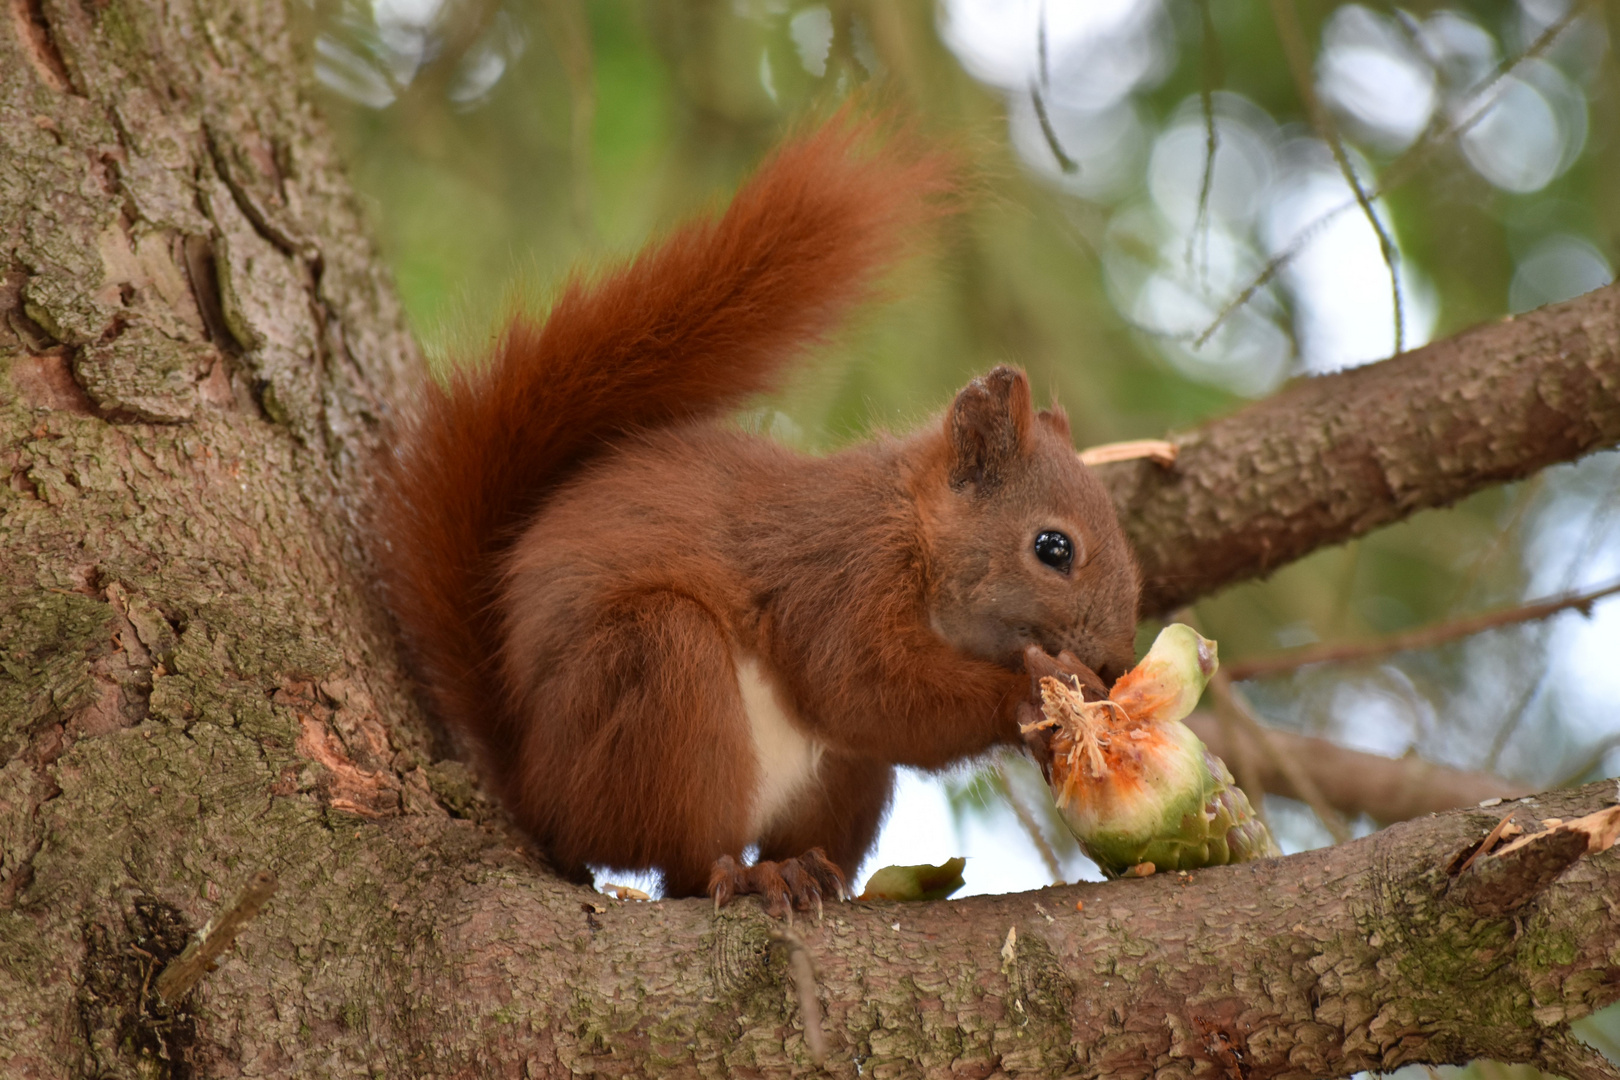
(1381, 713)
(347, 72)
(1173, 260)
(1108, 145)
(1096, 56)
(1097, 52)
(1243, 166)
(1295, 826)
(1578, 50)
(487, 61)
(1530, 130)
(1345, 313)
(405, 30)
(1462, 52)
(1558, 267)
(1376, 78)
(812, 31)
(380, 49)
(1574, 544)
(922, 827)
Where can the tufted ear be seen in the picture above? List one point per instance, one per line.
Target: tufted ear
(1056, 419)
(988, 427)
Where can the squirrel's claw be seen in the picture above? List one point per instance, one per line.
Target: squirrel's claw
(785, 886)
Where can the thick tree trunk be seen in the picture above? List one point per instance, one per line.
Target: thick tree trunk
(196, 348)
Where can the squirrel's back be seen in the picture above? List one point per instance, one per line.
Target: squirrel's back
(695, 324)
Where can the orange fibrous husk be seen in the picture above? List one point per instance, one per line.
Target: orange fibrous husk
(1136, 694)
(1099, 738)
(1132, 782)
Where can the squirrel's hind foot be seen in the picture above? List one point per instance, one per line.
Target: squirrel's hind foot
(785, 886)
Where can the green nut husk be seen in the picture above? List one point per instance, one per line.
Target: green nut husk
(922, 882)
(1133, 783)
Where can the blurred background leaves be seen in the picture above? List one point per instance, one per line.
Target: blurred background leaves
(1162, 227)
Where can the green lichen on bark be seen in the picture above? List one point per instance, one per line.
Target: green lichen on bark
(181, 600)
(48, 641)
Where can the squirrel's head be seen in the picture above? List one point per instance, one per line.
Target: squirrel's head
(1023, 543)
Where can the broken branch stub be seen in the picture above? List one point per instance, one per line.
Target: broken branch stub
(1495, 883)
(216, 936)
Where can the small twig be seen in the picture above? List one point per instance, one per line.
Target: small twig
(183, 972)
(1212, 76)
(146, 972)
(1565, 1055)
(1041, 51)
(801, 965)
(1229, 699)
(1425, 637)
(1490, 839)
(1158, 451)
(1030, 825)
(1245, 769)
(1049, 133)
(1399, 171)
(1299, 63)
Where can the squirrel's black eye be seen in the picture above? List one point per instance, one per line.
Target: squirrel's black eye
(1055, 550)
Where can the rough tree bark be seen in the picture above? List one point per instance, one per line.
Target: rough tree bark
(196, 350)
(1334, 457)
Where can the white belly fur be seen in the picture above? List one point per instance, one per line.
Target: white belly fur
(787, 756)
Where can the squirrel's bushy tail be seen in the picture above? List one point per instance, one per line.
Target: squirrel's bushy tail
(695, 324)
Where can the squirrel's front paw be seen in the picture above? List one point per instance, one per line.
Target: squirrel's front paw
(1039, 664)
(1066, 666)
(783, 886)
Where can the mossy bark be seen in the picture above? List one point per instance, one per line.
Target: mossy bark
(197, 350)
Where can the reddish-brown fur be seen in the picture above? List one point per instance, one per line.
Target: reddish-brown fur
(582, 565)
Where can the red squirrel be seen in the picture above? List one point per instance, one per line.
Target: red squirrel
(673, 640)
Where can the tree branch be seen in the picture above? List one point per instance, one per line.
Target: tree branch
(1337, 456)
(1354, 783)
(1564, 1056)
(1423, 637)
(1362, 956)
(1230, 702)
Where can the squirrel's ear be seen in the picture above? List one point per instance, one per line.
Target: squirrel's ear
(1056, 419)
(988, 427)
